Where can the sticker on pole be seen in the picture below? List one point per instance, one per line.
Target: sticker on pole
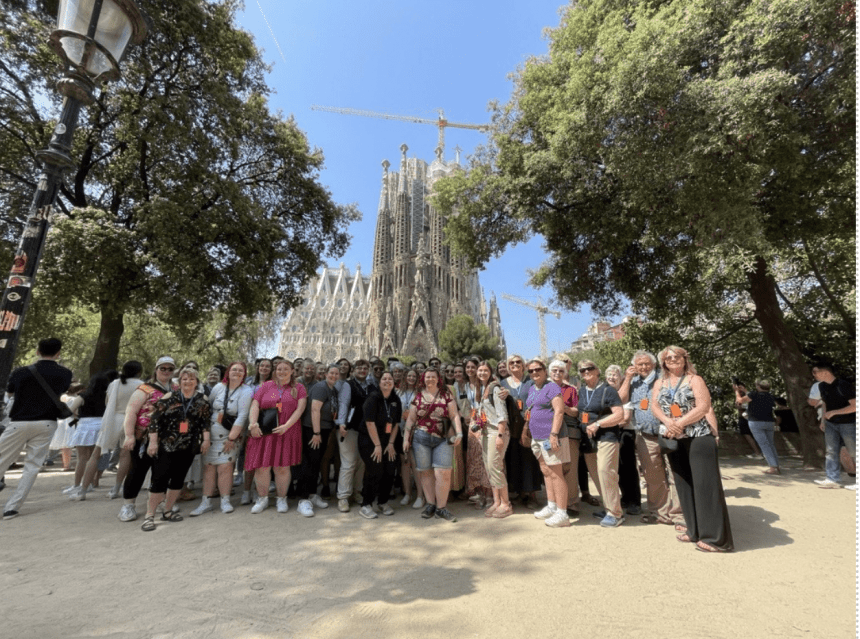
(17, 280)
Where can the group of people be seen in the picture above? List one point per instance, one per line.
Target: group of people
(467, 430)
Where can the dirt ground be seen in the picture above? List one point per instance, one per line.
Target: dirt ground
(71, 569)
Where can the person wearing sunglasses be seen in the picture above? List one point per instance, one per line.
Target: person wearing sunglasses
(545, 425)
(682, 403)
(600, 413)
(138, 415)
(523, 471)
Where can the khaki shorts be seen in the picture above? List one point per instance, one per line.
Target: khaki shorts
(550, 458)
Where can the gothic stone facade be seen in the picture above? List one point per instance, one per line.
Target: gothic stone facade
(416, 284)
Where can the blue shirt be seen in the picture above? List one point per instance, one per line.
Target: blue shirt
(643, 419)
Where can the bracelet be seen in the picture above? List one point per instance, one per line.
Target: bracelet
(377, 446)
(316, 432)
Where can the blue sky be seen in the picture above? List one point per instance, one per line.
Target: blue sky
(407, 58)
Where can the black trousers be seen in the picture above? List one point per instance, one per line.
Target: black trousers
(522, 469)
(378, 476)
(700, 490)
(140, 465)
(311, 460)
(628, 472)
(169, 469)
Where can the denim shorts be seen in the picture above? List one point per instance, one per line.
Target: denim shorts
(431, 451)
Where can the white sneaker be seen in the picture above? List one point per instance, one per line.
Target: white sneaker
(343, 505)
(306, 508)
(546, 512)
(68, 490)
(115, 492)
(127, 513)
(79, 495)
(318, 501)
(246, 498)
(282, 505)
(851, 486)
(387, 510)
(260, 505)
(406, 499)
(226, 506)
(559, 519)
(367, 512)
(204, 507)
(419, 503)
(828, 483)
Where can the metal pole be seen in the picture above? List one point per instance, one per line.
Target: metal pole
(22, 277)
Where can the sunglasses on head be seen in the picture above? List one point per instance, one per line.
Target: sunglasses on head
(587, 369)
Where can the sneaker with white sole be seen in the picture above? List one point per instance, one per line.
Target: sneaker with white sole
(828, 483)
(79, 495)
(545, 513)
(406, 499)
(387, 510)
(343, 505)
(127, 513)
(260, 505)
(419, 503)
(246, 498)
(115, 492)
(306, 508)
(282, 505)
(559, 519)
(204, 507)
(610, 521)
(226, 506)
(68, 490)
(318, 501)
(367, 512)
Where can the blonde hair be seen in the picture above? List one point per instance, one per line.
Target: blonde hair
(689, 369)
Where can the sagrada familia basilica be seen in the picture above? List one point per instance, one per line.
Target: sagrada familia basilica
(415, 287)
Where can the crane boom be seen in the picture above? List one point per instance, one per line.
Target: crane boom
(441, 122)
(542, 309)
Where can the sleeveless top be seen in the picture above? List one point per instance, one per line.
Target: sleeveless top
(686, 402)
(144, 415)
(431, 416)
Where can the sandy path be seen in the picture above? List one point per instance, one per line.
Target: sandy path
(70, 569)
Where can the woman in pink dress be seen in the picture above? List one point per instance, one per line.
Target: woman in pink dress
(281, 448)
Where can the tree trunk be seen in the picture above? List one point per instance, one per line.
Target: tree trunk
(794, 369)
(107, 345)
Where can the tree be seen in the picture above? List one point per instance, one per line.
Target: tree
(682, 155)
(462, 337)
(189, 196)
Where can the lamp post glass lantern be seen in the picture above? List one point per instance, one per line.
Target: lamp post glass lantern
(91, 38)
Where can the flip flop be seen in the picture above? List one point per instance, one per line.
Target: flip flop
(684, 538)
(680, 528)
(704, 547)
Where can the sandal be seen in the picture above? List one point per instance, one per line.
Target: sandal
(148, 524)
(501, 512)
(685, 538)
(703, 547)
(491, 509)
(649, 519)
(171, 515)
(680, 528)
(591, 500)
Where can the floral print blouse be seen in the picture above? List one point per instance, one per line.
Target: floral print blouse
(173, 409)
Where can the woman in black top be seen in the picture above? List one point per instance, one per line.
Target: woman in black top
(180, 421)
(376, 436)
(89, 407)
(760, 405)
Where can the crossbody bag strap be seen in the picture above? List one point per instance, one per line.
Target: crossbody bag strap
(50, 391)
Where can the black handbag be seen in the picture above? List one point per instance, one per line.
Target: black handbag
(268, 420)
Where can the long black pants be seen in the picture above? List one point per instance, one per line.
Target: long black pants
(311, 459)
(696, 469)
(378, 476)
(628, 472)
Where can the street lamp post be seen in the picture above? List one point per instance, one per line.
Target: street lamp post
(91, 37)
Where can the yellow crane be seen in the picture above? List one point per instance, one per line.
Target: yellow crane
(542, 309)
(441, 122)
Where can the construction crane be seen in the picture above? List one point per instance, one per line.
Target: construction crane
(442, 123)
(542, 309)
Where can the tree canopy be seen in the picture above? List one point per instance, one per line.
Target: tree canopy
(461, 337)
(189, 197)
(693, 157)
